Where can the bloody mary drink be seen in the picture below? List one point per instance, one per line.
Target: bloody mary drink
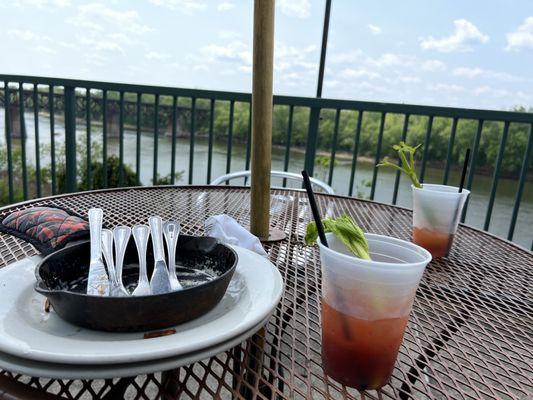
(437, 210)
(364, 358)
(366, 306)
(437, 243)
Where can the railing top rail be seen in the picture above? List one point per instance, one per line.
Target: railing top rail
(127, 87)
(321, 103)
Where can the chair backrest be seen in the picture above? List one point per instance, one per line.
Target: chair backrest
(275, 174)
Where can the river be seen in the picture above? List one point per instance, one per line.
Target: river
(477, 208)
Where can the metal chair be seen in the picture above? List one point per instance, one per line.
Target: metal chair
(274, 174)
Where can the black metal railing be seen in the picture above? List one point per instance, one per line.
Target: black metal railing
(336, 129)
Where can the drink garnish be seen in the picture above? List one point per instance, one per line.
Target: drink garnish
(407, 165)
(346, 230)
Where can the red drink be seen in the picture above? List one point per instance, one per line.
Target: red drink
(437, 243)
(437, 210)
(360, 353)
(365, 307)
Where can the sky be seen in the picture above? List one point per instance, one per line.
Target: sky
(475, 54)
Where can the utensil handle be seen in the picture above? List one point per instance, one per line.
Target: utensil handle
(141, 233)
(171, 231)
(122, 236)
(107, 248)
(96, 215)
(156, 226)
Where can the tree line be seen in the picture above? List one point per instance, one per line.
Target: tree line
(488, 148)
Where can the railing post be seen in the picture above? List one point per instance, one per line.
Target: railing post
(8, 132)
(70, 139)
(521, 181)
(312, 138)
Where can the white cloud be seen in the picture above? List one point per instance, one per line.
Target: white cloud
(246, 69)
(294, 66)
(41, 4)
(95, 59)
(392, 60)
(376, 30)
(409, 79)
(154, 55)
(359, 73)
(225, 6)
(45, 49)
(381, 72)
(291, 58)
(103, 29)
(526, 97)
(120, 37)
(522, 38)
(238, 54)
(38, 42)
(345, 57)
(97, 43)
(185, 6)
(481, 90)
(295, 8)
(368, 88)
(228, 34)
(332, 83)
(233, 52)
(445, 87)
(124, 20)
(487, 91)
(200, 67)
(433, 65)
(467, 72)
(26, 35)
(465, 35)
(61, 3)
(109, 46)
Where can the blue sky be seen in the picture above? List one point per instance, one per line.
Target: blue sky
(442, 52)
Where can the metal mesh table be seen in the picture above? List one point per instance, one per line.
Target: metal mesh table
(469, 335)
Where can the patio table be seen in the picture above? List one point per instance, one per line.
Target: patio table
(469, 335)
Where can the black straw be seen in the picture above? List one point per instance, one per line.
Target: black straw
(465, 167)
(314, 208)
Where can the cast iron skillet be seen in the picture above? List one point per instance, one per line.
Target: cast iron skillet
(61, 277)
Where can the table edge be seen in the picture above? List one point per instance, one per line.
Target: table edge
(207, 186)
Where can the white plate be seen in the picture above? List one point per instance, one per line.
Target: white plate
(69, 371)
(26, 331)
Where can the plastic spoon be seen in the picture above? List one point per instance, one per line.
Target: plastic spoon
(107, 249)
(159, 283)
(171, 230)
(98, 281)
(121, 235)
(141, 233)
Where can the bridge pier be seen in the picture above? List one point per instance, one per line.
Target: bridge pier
(113, 123)
(16, 129)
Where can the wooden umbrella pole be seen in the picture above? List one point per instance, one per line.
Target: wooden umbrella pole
(263, 65)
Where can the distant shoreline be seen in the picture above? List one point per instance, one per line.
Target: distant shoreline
(339, 155)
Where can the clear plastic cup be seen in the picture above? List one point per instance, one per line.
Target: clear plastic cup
(365, 307)
(437, 210)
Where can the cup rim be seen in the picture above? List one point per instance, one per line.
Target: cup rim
(434, 188)
(427, 257)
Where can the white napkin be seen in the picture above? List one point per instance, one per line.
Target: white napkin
(228, 231)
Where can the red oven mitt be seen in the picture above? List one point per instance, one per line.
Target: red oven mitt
(46, 228)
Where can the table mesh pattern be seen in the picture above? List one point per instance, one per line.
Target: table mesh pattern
(469, 335)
